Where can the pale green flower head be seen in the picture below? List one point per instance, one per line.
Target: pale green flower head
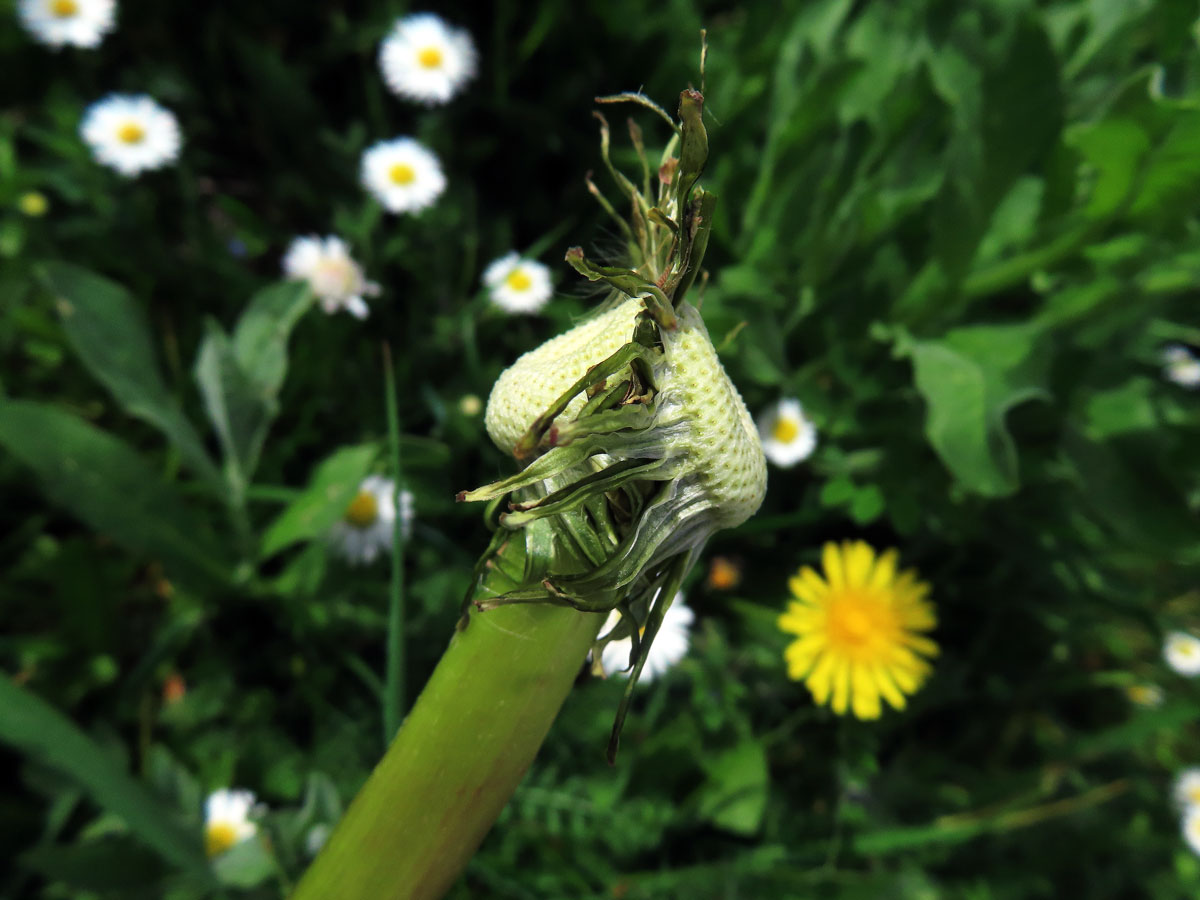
(637, 447)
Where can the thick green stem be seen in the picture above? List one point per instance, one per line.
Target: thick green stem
(459, 756)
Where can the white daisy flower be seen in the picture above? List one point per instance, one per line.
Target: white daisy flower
(424, 59)
(669, 647)
(1187, 788)
(1148, 695)
(788, 435)
(1181, 365)
(365, 530)
(518, 285)
(59, 22)
(227, 820)
(130, 133)
(1182, 652)
(403, 175)
(334, 277)
(1191, 828)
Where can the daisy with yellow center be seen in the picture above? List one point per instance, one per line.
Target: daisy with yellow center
(426, 60)
(402, 175)
(788, 435)
(861, 630)
(365, 530)
(227, 820)
(1182, 652)
(332, 274)
(58, 23)
(1191, 828)
(518, 285)
(131, 133)
(1187, 788)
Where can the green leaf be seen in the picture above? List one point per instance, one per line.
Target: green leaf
(245, 865)
(109, 333)
(970, 380)
(261, 336)
(324, 501)
(734, 796)
(1123, 409)
(240, 377)
(38, 730)
(1115, 149)
(103, 482)
(1017, 123)
(1172, 177)
(235, 407)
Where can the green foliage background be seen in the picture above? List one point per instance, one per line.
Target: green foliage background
(960, 233)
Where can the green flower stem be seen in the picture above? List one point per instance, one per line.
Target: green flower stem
(459, 756)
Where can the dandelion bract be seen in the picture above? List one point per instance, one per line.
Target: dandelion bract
(669, 647)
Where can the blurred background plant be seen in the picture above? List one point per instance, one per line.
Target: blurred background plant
(962, 235)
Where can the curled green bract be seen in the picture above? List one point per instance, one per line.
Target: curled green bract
(636, 446)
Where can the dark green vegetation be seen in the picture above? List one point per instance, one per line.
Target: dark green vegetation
(959, 233)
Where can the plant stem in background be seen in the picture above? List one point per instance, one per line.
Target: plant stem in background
(393, 697)
(463, 750)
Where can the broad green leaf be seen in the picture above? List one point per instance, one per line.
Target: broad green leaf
(1120, 410)
(970, 380)
(734, 797)
(245, 865)
(1014, 222)
(240, 377)
(45, 735)
(261, 336)
(1114, 148)
(236, 408)
(1172, 176)
(324, 501)
(102, 481)
(107, 329)
(1019, 119)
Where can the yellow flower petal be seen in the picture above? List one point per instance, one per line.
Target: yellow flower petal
(820, 681)
(920, 644)
(808, 586)
(860, 630)
(858, 559)
(865, 695)
(885, 570)
(887, 687)
(831, 559)
(801, 654)
(841, 685)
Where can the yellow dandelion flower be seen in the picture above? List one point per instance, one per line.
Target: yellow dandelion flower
(860, 630)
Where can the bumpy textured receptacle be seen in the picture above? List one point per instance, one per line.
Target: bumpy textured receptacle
(637, 445)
